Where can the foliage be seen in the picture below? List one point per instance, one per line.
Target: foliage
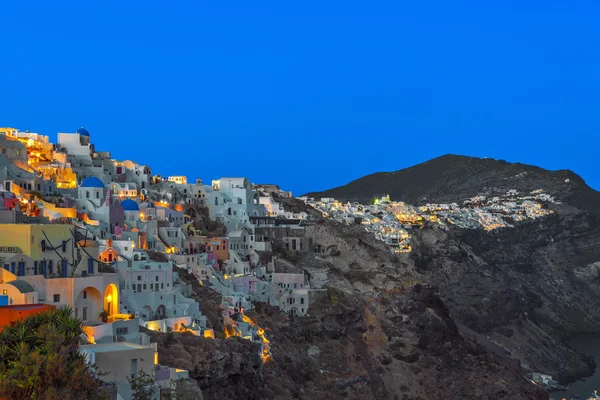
(179, 392)
(36, 195)
(39, 359)
(143, 386)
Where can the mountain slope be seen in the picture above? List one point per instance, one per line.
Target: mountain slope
(451, 178)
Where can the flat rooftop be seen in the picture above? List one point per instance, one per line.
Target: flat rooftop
(110, 347)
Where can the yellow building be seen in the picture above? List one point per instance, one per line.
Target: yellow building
(29, 238)
(45, 257)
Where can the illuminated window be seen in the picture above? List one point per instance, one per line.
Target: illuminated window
(4, 291)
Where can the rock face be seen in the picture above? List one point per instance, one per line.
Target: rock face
(526, 288)
(222, 369)
(378, 331)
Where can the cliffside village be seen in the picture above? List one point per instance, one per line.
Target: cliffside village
(392, 222)
(109, 239)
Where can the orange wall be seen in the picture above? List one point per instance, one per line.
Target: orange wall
(223, 244)
(10, 314)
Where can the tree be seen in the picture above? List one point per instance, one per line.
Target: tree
(39, 359)
(143, 386)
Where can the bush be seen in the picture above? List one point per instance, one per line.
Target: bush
(39, 359)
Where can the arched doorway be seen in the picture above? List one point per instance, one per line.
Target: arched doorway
(147, 313)
(88, 305)
(161, 312)
(111, 299)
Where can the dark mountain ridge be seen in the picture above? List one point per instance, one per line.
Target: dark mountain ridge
(451, 178)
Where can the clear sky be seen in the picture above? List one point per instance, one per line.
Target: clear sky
(308, 94)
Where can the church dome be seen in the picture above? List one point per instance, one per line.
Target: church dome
(82, 132)
(92, 182)
(130, 205)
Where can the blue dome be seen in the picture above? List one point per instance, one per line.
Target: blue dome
(83, 132)
(130, 205)
(92, 182)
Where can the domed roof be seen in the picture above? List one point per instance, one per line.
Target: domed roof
(23, 286)
(82, 131)
(92, 182)
(130, 205)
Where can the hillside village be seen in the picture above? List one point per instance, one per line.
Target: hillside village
(113, 241)
(392, 222)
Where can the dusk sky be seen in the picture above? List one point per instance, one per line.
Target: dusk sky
(311, 94)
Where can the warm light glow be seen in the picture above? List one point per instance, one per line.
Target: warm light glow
(156, 358)
(109, 297)
(266, 354)
(209, 334)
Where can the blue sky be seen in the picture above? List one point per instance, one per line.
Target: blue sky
(309, 94)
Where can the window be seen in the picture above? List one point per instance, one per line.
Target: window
(85, 294)
(152, 286)
(90, 266)
(35, 267)
(57, 298)
(84, 314)
(64, 246)
(97, 194)
(87, 194)
(122, 331)
(139, 277)
(50, 266)
(145, 286)
(156, 278)
(302, 300)
(162, 285)
(4, 291)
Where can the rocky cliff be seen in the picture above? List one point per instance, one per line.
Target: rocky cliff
(525, 288)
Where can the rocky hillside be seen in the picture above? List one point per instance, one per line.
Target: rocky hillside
(376, 331)
(525, 288)
(462, 316)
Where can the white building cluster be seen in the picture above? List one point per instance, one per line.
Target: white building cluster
(105, 236)
(391, 222)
